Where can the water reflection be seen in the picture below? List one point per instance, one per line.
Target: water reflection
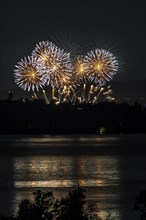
(93, 171)
(47, 139)
(99, 174)
(112, 180)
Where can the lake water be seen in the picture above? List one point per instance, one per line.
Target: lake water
(111, 168)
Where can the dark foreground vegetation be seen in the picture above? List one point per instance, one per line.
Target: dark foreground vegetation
(46, 207)
(140, 204)
(73, 207)
(28, 117)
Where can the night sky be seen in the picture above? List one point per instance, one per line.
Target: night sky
(116, 25)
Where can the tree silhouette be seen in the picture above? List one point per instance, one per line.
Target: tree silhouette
(41, 208)
(45, 207)
(140, 204)
(72, 207)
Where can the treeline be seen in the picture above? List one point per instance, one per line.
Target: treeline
(72, 207)
(28, 117)
(46, 207)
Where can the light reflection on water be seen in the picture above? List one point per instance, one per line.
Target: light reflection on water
(54, 172)
(111, 168)
(93, 171)
(46, 139)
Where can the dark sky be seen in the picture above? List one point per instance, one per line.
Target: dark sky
(117, 25)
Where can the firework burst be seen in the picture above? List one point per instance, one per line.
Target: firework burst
(54, 63)
(79, 69)
(27, 75)
(49, 65)
(102, 66)
(40, 51)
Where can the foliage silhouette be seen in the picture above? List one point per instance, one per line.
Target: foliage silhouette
(46, 207)
(41, 208)
(140, 204)
(73, 207)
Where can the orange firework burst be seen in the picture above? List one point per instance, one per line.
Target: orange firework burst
(79, 69)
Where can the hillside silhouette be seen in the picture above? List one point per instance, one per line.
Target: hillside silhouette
(35, 117)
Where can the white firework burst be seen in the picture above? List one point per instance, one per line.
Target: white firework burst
(102, 66)
(41, 49)
(27, 75)
(55, 64)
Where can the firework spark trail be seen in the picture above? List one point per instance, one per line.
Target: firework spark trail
(45, 96)
(54, 63)
(80, 74)
(91, 89)
(101, 65)
(27, 75)
(35, 95)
